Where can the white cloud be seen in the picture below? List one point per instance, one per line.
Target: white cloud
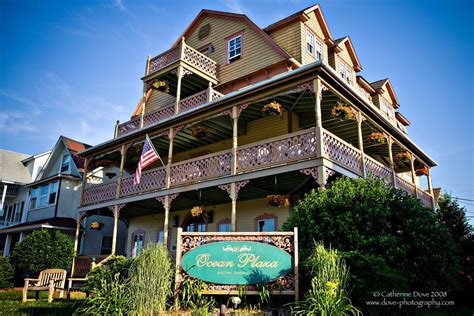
(119, 4)
(234, 5)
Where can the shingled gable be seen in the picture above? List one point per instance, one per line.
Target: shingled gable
(303, 16)
(232, 16)
(346, 41)
(381, 85)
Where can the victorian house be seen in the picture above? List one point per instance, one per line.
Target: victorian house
(247, 120)
(42, 192)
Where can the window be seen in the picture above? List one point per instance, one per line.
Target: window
(106, 246)
(65, 164)
(349, 75)
(309, 42)
(44, 195)
(161, 236)
(387, 109)
(345, 71)
(342, 70)
(224, 226)
(194, 224)
(319, 50)
(234, 48)
(266, 223)
(137, 243)
(19, 212)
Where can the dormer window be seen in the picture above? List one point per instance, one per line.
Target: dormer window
(65, 163)
(387, 109)
(310, 42)
(319, 50)
(234, 48)
(342, 70)
(345, 71)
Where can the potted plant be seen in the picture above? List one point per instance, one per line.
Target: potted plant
(421, 171)
(161, 85)
(272, 108)
(377, 138)
(199, 132)
(96, 225)
(277, 200)
(197, 210)
(403, 157)
(342, 112)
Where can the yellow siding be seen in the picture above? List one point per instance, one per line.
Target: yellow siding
(158, 100)
(344, 55)
(247, 211)
(289, 38)
(256, 54)
(314, 26)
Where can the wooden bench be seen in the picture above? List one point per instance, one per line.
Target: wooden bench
(82, 266)
(49, 280)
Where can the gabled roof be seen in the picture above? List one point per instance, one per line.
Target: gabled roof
(11, 167)
(365, 84)
(338, 46)
(303, 16)
(402, 119)
(232, 16)
(380, 86)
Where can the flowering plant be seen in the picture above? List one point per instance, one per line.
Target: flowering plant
(161, 85)
(277, 200)
(342, 111)
(96, 225)
(377, 138)
(403, 157)
(421, 171)
(197, 210)
(199, 132)
(272, 108)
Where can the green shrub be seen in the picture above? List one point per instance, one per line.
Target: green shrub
(111, 297)
(6, 273)
(151, 280)
(329, 291)
(108, 271)
(43, 249)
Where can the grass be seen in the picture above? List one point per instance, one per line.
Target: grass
(10, 304)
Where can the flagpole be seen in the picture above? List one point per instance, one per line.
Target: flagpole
(154, 149)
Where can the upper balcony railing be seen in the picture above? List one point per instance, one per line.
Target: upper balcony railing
(277, 151)
(186, 54)
(168, 111)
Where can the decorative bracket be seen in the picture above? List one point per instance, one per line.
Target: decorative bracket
(228, 187)
(162, 198)
(313, 171)
(119, 207)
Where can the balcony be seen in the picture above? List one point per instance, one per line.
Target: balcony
(168, 111)
(185, 54)
(284, 150)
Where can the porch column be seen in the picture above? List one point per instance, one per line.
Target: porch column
(413, 174)
(165, 225)
(209, 92)
(76, 240)
(142, 115)
(117, 123)
(318, 95)
(390, 157)
(233, 215)
(115, 231)
(361, 143)
(430, 189)
(170, 158)
(22, 236)
(123, 154)
(233, 193)
(6, 247)
(179, 74)
(84, 180)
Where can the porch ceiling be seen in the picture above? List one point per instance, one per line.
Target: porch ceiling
(190, 84)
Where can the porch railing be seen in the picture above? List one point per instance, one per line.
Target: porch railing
(340, 151)
(375, 168)
(186, 54)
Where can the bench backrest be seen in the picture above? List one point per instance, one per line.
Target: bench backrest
(46, 275)
(83, 265)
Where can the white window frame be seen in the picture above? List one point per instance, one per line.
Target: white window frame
(137, 248)
(65, 162)
(36, 196)
(266, 220)
(310, 46)
(239, 48)
(319, 49)
(342, 69)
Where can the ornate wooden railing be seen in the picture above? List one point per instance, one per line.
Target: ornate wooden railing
(278, 150)
(343, 153)
(99, 193)
(186, 54)
(168, 111)
(285, 149)
(375, 168)
(201, 168)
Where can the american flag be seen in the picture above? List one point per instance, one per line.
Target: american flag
(148, 156)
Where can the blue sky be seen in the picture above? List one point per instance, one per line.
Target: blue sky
(73, 68)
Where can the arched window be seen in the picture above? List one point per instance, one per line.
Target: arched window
(266, 223)
(224, 225)
(194, 224)
(138, 239)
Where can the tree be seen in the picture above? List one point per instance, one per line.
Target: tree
(378, 222)
(43, 249)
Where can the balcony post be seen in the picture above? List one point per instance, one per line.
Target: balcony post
(318, 96)
(117, 123)
(84, 181)
(233, 193)
(166, 205)
(116, 212)
(79, 219)
(147, 67)
(170, 158)
(360, 118)
(413, 174)
(209, 92)
(179, 74)
(142, 115)
(233, 196)
(430, 189)
(390, 157)
(123, 154)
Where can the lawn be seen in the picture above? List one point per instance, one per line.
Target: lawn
(10, 304)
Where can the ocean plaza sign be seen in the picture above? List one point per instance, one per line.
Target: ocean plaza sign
(237, 262)
(226, 261)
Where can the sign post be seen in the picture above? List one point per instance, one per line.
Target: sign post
(229, 261)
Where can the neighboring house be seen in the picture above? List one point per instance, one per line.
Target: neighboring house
(48, 190)
(209, 106)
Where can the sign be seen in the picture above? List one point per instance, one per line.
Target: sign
(237, 262)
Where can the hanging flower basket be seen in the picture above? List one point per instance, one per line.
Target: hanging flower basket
(421, 171)
(403, 157)
(96, 225)
(197, 210)
(272, 108)
(377, 138)
(161, 85)
(342, 112)
(200, 132)
(277, 200)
